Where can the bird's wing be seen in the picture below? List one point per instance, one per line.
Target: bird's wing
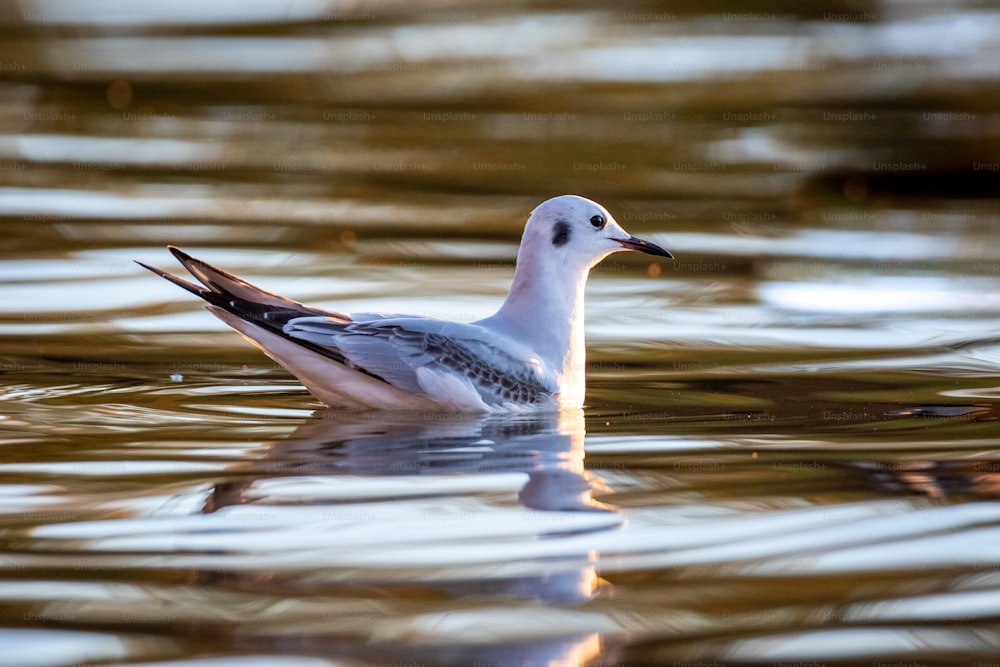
(407, 351)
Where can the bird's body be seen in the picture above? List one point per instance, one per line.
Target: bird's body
(530, 355)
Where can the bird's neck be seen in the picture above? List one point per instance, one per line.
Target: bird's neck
(545, 309)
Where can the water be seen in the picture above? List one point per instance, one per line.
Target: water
(788, 455)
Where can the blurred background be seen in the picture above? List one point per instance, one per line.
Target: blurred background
(826, 174)
(831, 164)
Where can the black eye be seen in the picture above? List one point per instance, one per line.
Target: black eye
(598, 221)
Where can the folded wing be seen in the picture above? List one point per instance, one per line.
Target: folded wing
(413, 352)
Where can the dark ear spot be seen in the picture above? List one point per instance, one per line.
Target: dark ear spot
(560, 233)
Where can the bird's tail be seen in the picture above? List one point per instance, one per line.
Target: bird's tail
(218, 283)
(250, 309)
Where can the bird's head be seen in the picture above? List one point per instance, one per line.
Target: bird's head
(575, 230)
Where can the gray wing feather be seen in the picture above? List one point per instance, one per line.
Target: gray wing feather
(393, 348)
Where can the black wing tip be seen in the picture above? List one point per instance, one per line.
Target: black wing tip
(214, 278)
(180, 282)
(159, 272)
(181, 256)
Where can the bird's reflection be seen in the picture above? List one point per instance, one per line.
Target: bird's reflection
(547, 448)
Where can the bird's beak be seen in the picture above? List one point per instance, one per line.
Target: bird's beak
(632, 243)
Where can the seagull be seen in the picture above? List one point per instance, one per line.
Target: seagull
(527, 357)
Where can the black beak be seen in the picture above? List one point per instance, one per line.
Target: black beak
(632, 243)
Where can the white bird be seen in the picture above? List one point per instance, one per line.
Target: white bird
(529, 356)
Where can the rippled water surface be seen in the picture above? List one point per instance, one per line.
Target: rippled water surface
(789, 450)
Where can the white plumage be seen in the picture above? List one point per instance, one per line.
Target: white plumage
(528, 356)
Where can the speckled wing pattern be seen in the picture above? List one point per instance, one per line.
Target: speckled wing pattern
(395, 348)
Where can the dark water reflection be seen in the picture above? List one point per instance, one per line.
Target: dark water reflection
(789, 450)
(548, 448)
